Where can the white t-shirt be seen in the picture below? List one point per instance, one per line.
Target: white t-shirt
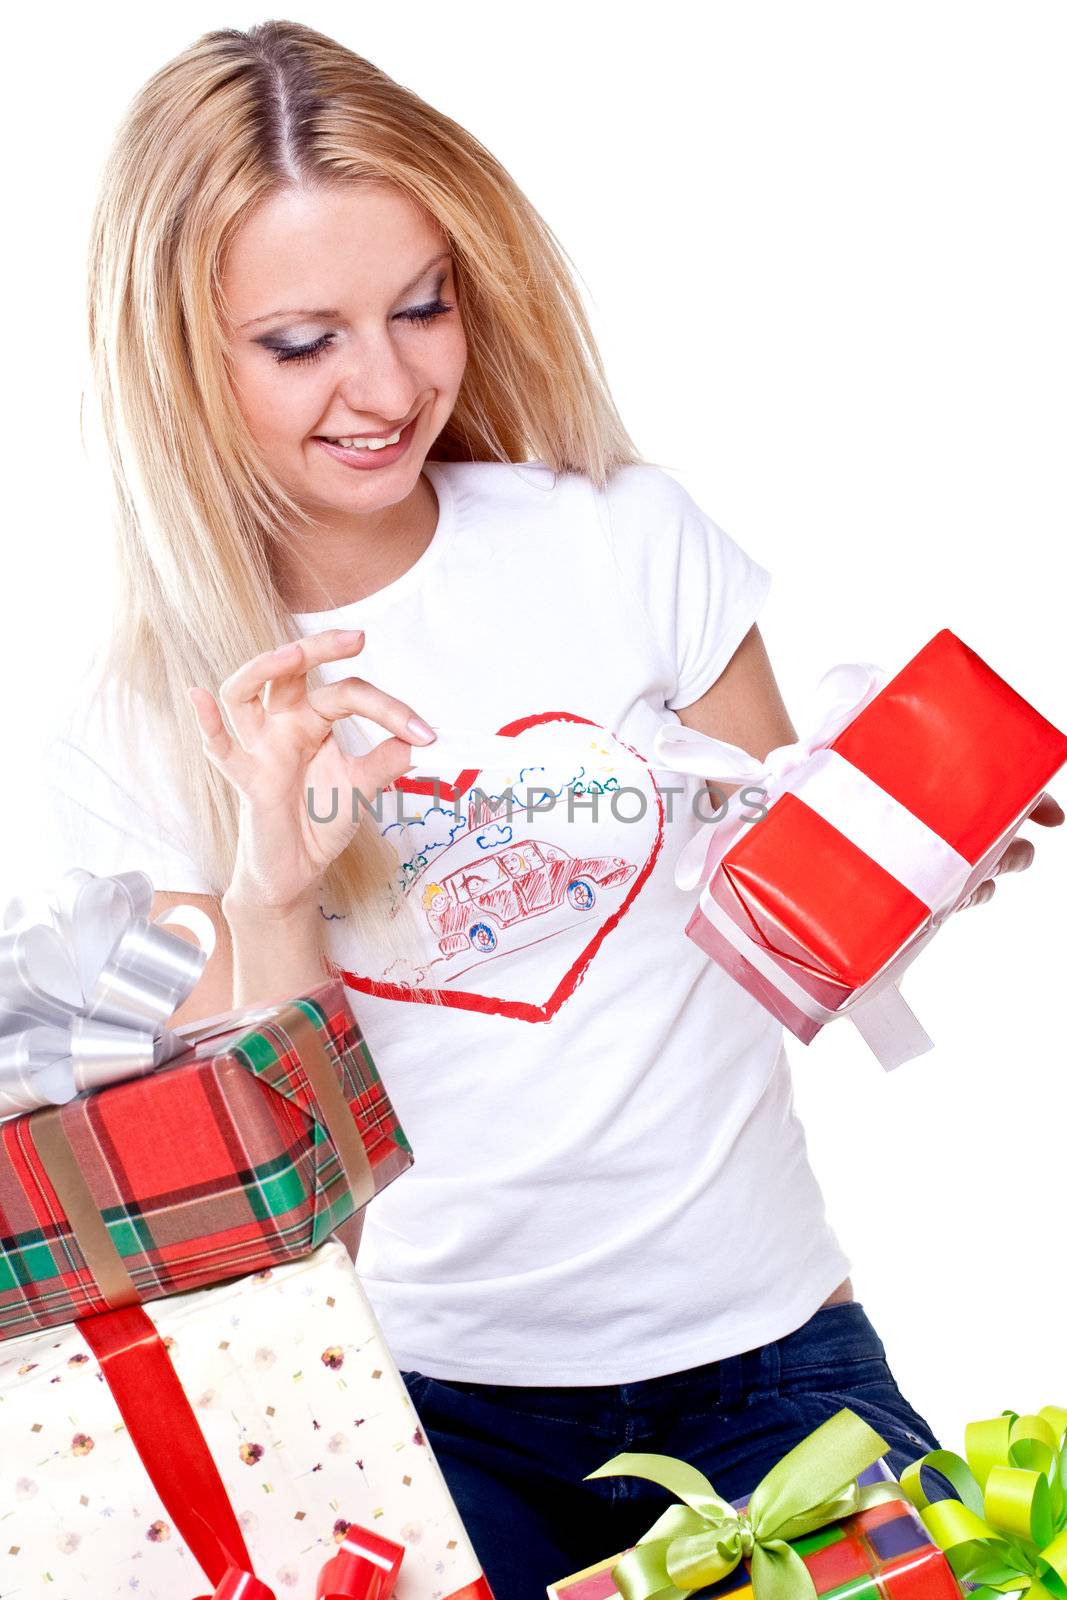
(610, 1182)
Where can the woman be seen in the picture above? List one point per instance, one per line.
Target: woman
(368, 472)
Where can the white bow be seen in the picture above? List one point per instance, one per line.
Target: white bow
(86, 983)
(841, 695)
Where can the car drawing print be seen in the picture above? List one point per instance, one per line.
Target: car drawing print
(515, 884)
(517, 908)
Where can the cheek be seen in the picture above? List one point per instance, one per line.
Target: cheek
(452, 359)
(280, 405)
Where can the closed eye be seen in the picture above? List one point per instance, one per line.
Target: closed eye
(419, 316)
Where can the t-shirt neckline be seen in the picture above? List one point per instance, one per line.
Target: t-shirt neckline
(356, 610)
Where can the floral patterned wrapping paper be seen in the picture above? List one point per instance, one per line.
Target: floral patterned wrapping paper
(306, 1416)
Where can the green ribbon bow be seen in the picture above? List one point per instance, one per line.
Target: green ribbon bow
(1007, 1532)
(704, 1539)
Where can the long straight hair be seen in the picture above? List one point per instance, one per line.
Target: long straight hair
(199, 519)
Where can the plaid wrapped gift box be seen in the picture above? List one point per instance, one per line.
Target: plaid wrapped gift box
(248, 1152)
(883, 1553)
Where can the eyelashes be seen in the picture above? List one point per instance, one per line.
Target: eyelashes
(418, 316)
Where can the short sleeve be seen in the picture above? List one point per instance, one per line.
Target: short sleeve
(697, 589)
(106, 818)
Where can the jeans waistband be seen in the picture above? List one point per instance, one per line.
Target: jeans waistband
(834, 1335)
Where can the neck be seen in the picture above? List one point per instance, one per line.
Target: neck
(345, 559)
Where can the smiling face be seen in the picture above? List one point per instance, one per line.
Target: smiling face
(343, 322)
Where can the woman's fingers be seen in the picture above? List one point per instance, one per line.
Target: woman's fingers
(287, 688)
(355, 696)
(1047, 811)
(1016, 858)
(280, 676)
(373, 773)
(240, 692)
(273, 739)
(286, 670)
(217, 740)
(980, 895)
(1020, 853)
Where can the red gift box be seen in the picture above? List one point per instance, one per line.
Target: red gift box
(246, 1153)
(872, 835)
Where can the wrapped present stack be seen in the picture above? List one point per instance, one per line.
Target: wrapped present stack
(173, 1309)
(827, 1520)
(849, 849)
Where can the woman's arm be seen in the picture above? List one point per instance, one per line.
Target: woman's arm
(260, 957)
(276, 954)
(256, 960)
(744, 705)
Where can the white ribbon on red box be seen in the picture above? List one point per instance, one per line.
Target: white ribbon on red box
(863, 812)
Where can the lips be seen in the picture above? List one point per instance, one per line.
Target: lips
(366, 459)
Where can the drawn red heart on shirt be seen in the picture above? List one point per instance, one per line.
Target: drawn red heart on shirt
(563, 983)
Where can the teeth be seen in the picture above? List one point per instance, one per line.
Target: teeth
(367, 444)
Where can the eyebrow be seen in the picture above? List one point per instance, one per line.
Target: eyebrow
(331, 314)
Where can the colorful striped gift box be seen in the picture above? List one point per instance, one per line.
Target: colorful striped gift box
(883, 1553)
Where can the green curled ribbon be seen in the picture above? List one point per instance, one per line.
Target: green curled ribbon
(1007, 1531)
(704, 1539)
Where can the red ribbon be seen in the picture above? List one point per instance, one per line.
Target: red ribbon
(238, 1585)
(364, 1568)
(167, 1437)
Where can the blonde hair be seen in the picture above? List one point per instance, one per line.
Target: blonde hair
(199, 519)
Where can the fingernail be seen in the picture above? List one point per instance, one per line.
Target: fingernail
(349, 635)
(420, 729)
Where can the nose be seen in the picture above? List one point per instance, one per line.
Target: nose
(378, 386)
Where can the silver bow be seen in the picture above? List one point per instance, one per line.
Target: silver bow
(87, 981)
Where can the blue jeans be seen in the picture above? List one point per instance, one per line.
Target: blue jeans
(514, 1458)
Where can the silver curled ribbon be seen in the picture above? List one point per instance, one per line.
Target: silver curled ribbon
(87, 980)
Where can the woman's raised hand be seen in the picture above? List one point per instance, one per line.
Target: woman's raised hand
(282, 746)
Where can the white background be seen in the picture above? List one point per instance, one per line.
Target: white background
(823, 249)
